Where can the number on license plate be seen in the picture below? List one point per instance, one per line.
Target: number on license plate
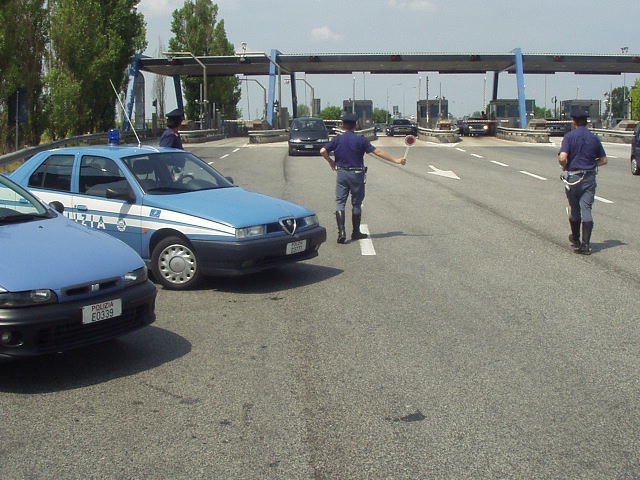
(296, 247)
(101, 311)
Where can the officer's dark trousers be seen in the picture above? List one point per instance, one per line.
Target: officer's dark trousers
(350, 182)
(581, 197)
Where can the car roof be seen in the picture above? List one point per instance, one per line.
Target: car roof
(113, 151)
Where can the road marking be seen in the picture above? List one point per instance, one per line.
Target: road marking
(476, 155)
(603, 200)
(210, 163)
(224, 156)
(236, 150)
(443, 173)
(499, 163)
(611, 156)
(366, 245)
(532, 175)
(461, 150)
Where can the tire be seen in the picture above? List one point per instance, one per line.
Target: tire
(634, 166)
(174, 264)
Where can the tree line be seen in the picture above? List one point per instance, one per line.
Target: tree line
(58, 59)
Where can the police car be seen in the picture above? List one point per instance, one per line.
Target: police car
(184, 218)
(62, 285)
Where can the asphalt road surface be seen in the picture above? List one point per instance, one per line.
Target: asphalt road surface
(463, 340)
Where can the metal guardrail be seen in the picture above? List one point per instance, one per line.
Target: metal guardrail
(11, 161)
(267, 136)
(523, 135)
(614, 136)
(437, 135)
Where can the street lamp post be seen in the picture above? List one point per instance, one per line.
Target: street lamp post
(203, 93)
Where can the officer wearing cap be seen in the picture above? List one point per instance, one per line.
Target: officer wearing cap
(349, 149)
(171, 136)
(580, 156)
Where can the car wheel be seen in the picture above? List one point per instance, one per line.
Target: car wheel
(174, 264)
(634, 166)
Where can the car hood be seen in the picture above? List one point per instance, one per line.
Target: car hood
(232, 206)
(57, 252)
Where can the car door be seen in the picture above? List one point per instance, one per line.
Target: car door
(106, 201)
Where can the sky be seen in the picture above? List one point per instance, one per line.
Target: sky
(418, 26)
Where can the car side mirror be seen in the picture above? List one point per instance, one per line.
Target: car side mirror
(121, 194)
(57, 206)
(230, 179)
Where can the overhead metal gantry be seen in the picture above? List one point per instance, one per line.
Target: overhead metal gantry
(273, 65)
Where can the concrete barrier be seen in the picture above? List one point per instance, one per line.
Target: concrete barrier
(267, 136)
(523, 135)
(438, 136)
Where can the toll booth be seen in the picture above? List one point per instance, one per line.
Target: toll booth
(432, 112)
(590, 107)
(363, 109)
(506, 112)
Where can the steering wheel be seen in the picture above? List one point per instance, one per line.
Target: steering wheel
(185, 178)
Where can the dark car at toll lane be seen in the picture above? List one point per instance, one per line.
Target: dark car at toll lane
(307, 135)
(183, 217)
(62, 285)
(401, 126)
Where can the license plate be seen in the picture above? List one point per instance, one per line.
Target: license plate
(296, 247)
(308, 146)
(101, 311)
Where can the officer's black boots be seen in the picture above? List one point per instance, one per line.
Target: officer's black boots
(585, 246)
(342, 233)
(574, 237)
(357, 234)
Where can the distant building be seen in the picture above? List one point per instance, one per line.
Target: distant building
(430, 112)
(506, 112)
(363, 109)
(590, 107)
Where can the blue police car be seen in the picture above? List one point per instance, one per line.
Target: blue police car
(62, 285)
(184, 218)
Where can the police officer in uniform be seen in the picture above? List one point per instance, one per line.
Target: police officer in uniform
(171, 136)
(349, 149)
(580, 156)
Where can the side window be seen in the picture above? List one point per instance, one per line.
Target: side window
(97, 174)
(53, 174)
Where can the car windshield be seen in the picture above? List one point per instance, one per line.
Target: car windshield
(174, 172)
(307, 125)
(401, 122)
(17, 205)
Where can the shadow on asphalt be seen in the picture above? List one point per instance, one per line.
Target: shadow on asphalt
(135, 352)
(274, 280)
(596, 247)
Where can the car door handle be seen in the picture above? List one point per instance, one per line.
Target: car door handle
(82, 208)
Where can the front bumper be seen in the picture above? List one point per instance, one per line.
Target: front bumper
(58, 327)
(305, 147)
(240, 258)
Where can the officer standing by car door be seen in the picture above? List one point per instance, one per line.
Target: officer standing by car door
(349, 149)
(171, 136)
(580, 156)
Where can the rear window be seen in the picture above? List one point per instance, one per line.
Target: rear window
(401, 122)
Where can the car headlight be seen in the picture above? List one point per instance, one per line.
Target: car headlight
(29, 298)
(324, 140)
(310, 220)
(295, 140)
(486, 127)
(248, 232)
(134, 277)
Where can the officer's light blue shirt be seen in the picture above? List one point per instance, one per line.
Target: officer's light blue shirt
(349, 149)
(584, 149)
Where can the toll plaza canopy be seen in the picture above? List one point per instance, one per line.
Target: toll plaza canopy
(517, 62)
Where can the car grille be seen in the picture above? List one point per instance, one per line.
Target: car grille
(275, 227)
(74, 334)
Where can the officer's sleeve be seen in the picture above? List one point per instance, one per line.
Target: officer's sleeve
(601, 152)
(368, 147)
(331, 146)
(564, 146)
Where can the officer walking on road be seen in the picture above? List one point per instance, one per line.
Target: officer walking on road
(580, 156)
(171, 136)
(349, 149)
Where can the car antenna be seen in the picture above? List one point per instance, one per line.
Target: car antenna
(125, 113)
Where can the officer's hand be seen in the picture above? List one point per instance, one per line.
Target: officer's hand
(402, 161)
